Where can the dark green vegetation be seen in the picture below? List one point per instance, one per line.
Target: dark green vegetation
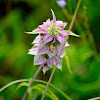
(18, 16)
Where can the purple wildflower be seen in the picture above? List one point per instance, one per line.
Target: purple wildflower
(61, 3)
(48, 44)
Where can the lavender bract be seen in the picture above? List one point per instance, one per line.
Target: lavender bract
(48, 44)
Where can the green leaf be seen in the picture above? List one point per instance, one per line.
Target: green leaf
(30, 91)
(34, 95)
(68, 64)
(23, 80)
(31, 33)
(22, 84)
(73, 34)
(49, 92)
(39, 87)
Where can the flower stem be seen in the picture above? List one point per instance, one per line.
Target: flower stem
(67, 37)
(26, 93)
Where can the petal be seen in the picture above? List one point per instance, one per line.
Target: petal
(59, 23)
(59, 47)
(39, 60)
(54, 40)
(48, 22)
(54, 18)
(33, 51)
(50, 61)
(60, 38)
(63, 25)
(66, 44)
(59, 64)
(39, 31)
(37, 39)
(45, 24)
(43, 27)
(51, 54)
(47, 38)
(63, 33)
(36, 44)
(42, 49)
(45, 68)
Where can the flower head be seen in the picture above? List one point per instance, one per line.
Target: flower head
(62, 3)
(47, 45)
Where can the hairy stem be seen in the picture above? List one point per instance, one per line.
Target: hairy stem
(67, 37)
(26, 93)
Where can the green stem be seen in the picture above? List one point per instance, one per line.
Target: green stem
(80, 30)
(23, 80)
(70, 27)
(35, 75)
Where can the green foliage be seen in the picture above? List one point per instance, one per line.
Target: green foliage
(38, 87)
(68, 64)
(49, 93)
(19, 16)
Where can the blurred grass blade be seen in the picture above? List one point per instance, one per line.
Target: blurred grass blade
(22, 84)
(49, 92)
(23, 80)
(34, 95)
(68, 64)
(39, 87)
(97, 98)
(61, 92)
(13, 82)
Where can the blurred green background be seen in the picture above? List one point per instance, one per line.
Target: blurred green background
(18, 16)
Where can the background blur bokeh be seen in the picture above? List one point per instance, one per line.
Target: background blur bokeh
(18, 16)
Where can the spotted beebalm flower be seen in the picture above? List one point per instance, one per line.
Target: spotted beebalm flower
(61, 3)
(47, 45)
